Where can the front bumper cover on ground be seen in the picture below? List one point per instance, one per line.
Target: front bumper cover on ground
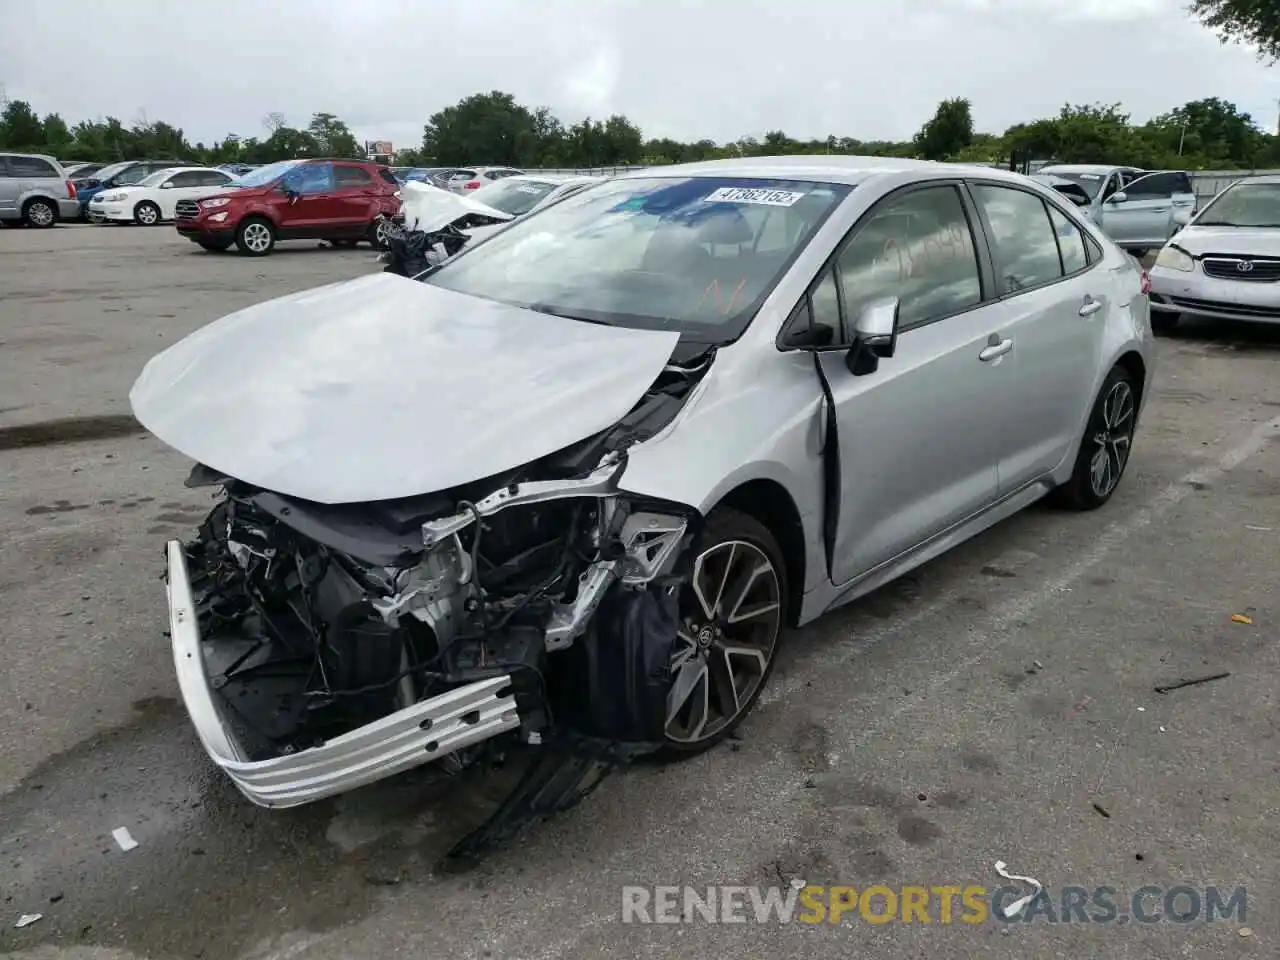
(407, 738)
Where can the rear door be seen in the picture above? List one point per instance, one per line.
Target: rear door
(1147, 211)
(1053, 302)
(8, 191)
(312, 210)
(354, 191)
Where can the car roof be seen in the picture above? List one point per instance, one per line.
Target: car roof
(823, 168)
(37, 156)
(1085, 167)
(1259, 178)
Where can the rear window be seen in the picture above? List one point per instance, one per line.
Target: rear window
(516, 197)
(1091, 183)
(32, 167)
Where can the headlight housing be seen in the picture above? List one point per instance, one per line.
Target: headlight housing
(113, 197)
(1171, 258)
(215, 202)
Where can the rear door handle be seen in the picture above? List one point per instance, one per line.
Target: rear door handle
(995, 348)
(1090, 307)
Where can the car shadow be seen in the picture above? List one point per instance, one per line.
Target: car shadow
(1228, 336)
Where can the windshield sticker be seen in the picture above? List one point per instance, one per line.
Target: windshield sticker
(1089, 176)
(528, 189)
(770, 198)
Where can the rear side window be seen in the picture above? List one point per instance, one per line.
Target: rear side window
(213, 178)
(346, 176)
(1024, 241)
(191, 178)
(132, 175)
(1070, 243)
(31, 167)
(388, 176)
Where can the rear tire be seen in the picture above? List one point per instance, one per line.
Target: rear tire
(1106, 445)
(255, 237)
(376, 235)
(146, 214)
(39, 212)
(1163, 321)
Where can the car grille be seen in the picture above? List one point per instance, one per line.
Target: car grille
(186, 210)
(1234, 309)
(1253, 269)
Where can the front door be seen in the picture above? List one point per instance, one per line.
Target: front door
(1053, 308)
(309, 207)
(1145, 216)
(919, 436)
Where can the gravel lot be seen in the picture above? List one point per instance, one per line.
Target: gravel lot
(973, 712)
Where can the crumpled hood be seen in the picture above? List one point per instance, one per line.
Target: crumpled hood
(429, 208)
(1247, 241)
(384, 387)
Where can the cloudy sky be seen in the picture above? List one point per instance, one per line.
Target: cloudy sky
(680, 68)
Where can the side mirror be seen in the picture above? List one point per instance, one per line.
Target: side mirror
(1118, 197)
(875, 336)
(167, 185)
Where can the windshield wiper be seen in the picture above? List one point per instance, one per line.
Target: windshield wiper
(1216, 223)
(556, 312)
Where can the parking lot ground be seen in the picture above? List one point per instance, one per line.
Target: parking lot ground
(84, 306)
(974, 711)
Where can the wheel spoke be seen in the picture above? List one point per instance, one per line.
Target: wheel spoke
(690, 691)
(724, 580)
(739, 595)
(750, 654)
(724, 682)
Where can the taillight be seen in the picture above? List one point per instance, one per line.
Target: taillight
(71, 190)
(471, 185)
(1146, 283)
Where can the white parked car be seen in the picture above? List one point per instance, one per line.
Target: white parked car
(153, 199)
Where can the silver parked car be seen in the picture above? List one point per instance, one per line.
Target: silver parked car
(523, 194)
(35, 190)
(466, 179)
(572, 484)
(1138, 209)
(1225, 264)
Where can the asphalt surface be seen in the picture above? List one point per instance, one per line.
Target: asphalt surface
(981, 709)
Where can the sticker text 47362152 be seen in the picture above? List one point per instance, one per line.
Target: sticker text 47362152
(772, 198)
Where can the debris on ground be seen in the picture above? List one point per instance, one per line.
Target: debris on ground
(1192, 682)
(1011, 910)
(1241, 618)
(1102, 811)
(27, 919)
(1245, 931)
(124, 838)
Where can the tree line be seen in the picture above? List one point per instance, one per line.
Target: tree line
(494, 128)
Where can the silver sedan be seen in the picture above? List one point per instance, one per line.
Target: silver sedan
(1225, 264)
(581, 476)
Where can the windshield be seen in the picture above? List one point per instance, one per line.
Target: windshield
(264, 175)
(693, 255)
(157, 178)
(1244, 205)
(1090, 182)
(107, 172)
(516, 197)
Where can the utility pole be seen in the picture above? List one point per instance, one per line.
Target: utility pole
(1183, 136)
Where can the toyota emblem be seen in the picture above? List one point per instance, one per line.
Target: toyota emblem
(1245, 266)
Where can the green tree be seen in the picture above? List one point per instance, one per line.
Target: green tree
(489, 128)
(1255, 22)
(948, 132)
(57, 136)
(20, 127)
(332, 137)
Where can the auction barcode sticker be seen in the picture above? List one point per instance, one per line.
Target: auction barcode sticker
(772, 198)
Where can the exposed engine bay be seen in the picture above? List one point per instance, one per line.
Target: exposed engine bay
(345, 642)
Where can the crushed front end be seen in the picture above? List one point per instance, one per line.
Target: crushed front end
(320, 647)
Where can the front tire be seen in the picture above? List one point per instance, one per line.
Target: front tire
(39, 212)
(255, 237)
(146, 214)
(732, 609)
(1105, 446)
(377, 235)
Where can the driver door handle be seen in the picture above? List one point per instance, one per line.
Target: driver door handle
(1090, 307)
(995, 348)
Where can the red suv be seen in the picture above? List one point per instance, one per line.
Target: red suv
(336, 200)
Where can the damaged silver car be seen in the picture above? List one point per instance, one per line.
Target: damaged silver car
(566, 489)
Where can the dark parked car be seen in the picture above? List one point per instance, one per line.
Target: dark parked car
(127, 173)
(343, 201)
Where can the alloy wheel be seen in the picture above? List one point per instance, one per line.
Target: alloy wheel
(1113, 439)
(731, 614)
(257, 237)
(148, 215)
(381, 234)
(40, 214)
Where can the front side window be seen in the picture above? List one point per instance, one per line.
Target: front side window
(214, 178)
(310, 179)
(663, 253)
(131, 176)
(919, 248)
(1243, 205)
(1025, 245)
(268, 174)
(191, 178)
(1156, 186)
